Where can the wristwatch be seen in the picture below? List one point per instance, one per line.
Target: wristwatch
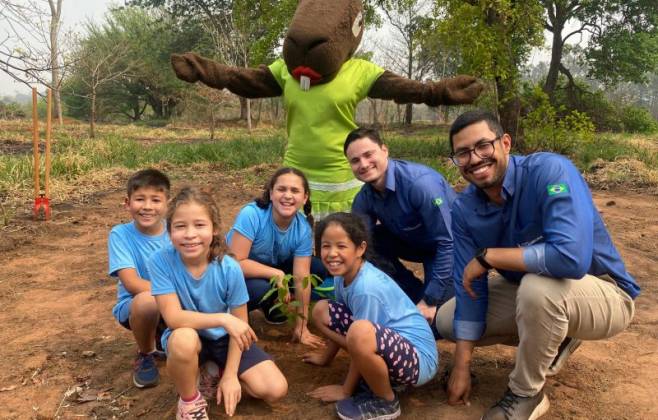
(479, 255)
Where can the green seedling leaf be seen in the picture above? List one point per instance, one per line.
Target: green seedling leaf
(268, 294)
(278, 305)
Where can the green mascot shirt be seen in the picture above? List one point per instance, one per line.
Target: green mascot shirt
(318, 123)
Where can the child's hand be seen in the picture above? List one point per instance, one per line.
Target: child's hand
(329, 393)
(317, 357)
(304, 336)
(230, 391)
(240, 331)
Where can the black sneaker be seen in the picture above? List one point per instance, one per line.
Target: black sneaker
(364, 407)
(514, 407)
(567, 347)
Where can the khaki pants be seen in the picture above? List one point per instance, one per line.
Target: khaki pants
(539, 313)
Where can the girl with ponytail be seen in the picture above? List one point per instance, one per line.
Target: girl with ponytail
(270, 237)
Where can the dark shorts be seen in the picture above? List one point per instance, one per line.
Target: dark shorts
(158, 331)
(217, 351)
(398, 352)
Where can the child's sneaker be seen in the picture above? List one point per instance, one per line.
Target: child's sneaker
(209, 375)
(193, 410)
(145, 373)
(363, 407)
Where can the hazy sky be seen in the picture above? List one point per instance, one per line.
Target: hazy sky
(74, 13)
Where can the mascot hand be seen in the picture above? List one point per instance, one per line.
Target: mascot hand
(455, 91)
(191, 68)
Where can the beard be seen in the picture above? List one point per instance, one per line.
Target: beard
(498, 167)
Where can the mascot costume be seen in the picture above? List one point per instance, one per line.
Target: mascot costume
(321, 86)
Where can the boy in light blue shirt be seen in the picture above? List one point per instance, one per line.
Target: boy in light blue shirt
(129, 247)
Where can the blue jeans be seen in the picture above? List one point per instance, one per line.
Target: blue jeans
(258, 287)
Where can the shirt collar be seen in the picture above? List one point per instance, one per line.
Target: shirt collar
(509, 185)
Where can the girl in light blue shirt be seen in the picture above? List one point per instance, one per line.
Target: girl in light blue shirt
(270, 238)
(388, 340)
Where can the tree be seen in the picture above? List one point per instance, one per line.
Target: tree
(30, 49)
(100, 60)
(623, 38)
(493, 39)
(244, 32)
(409, 20)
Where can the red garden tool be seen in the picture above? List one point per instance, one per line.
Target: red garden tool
(41, 209)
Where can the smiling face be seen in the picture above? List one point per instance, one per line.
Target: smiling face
(192, 233)
(287, 196)
(339, 254)
(368, 161)
(147, 207)
(487, 173)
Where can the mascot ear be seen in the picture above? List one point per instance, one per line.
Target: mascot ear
(357, 25)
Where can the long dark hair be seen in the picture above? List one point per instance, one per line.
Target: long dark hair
(189, 195)
(264, 200)
(352, 224)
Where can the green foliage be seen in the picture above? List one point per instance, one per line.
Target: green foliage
(11, 111)
(625, 45)
(638, 120)
(494, 37)
(545, 130)
(292, 309)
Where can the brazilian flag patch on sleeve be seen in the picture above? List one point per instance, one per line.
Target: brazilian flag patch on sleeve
(438, 201)
(555, 189)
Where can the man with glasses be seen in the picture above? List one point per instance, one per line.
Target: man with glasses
(558, 279)
(407, 207)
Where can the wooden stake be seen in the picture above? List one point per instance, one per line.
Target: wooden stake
(48, 133)
(35, 142)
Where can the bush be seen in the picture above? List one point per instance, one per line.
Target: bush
(545, 130)
(637, 120)
(11, 111)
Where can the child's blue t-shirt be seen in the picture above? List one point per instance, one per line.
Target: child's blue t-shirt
(220, 288)
(130, 248)
(375, 297)
(271, 245)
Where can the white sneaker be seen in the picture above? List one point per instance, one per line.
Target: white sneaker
(193, 410)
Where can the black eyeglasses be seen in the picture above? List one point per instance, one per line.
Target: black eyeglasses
(483, 149)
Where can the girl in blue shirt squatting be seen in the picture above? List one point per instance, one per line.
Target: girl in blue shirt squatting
(388, 340)
(270, 237)
(202, 296)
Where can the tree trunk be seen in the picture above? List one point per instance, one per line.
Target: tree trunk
(55, 14)
(243, 108)
(212, 123)
(248, 114)
(408, 114)
(509, 109)
(556, 53)
(92, 117)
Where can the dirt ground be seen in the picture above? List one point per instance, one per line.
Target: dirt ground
(62, 355)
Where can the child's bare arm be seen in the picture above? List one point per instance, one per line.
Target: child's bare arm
(133, 282)
(229, 388)
(240, 247)
(177, 317)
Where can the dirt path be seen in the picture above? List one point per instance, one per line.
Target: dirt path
(58, 333)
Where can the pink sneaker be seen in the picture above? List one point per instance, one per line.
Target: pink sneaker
(193, 410)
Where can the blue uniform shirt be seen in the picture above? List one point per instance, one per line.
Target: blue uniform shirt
(271, 245)
(375, 297)
(549, 212)
(130, 248)
(415, 207)
(220, 288)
